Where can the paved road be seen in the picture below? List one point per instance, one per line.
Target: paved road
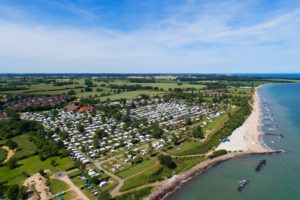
(116, 190)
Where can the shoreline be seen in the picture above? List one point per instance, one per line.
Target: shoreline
(244, 141)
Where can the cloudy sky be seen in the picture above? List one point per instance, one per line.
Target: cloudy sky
(137, 36)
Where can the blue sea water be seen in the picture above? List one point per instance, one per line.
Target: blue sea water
(280, 178)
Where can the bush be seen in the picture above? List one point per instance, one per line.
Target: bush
(217, 153)
(11, 144)
(12, 163)
(167, 161)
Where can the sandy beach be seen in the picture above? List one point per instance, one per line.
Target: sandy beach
(245, 140)
(248, 137)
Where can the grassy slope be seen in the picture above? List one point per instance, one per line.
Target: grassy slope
(25, 147)
(32, 165)
(136, 168)
(186, 147)
(139, 180)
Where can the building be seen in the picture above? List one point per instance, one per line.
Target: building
(71, 107)
(87, 109)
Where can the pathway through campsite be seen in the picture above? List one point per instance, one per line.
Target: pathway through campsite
(65, 178)
(116, 190)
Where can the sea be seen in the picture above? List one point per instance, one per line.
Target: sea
(279, 179)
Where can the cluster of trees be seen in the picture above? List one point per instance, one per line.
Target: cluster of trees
(166, 160)
(15, 126)
(63, 83)
(142, 80)
(198, 132)
(133, 87)
(16, 192)
(189, 97)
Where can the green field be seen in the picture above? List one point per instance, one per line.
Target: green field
(186, 163)
(139, 180)
(130, 95)
(32, 165)
(136, 168)
(25, 146)
(135, 195)
(57, 185)
(190, 145)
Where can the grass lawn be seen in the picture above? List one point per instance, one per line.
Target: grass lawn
(130, 94)
(32, 165)
(3, 154)
(70, 195)
(136, 168)
(25, 147)
(135, 195)
(57, 185)
(211, 128)
(139, 180)
(216, 124)
(186, 163)
(184, 148)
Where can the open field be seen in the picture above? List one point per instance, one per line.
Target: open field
(136, 168)
(32, 165)
(139, 180)
(25, 146)
(130, 95)
(57, 185)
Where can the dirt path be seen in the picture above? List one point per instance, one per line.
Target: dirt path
(64, 177)
(10, 153)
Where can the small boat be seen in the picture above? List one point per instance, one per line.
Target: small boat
(242, 184)
(260, 165)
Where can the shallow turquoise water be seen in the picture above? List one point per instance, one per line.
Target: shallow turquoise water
(280, 178)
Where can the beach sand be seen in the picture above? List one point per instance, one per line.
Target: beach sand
(248, 137)
(245, 140)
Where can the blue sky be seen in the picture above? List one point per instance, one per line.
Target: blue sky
(156, 36)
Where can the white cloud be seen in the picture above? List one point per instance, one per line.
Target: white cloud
(203, 43)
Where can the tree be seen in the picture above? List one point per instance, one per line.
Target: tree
(12, 162)
(80, 128)
(53, 163)
(71, 92)
(42, 172)
(138, 159)
(188, 121)
(12, 192)
(15, 192)
(11, 144)
(167, 161)
(22, 192)
(198, 132)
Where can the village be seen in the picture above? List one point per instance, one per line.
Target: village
(91, 137)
